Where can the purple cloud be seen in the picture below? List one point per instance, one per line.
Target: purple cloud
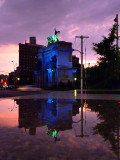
(21, 19)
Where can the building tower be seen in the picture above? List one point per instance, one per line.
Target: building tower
(28, 60)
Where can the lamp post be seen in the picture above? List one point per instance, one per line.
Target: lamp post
(14, 73)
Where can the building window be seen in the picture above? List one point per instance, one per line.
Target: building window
(69, 58)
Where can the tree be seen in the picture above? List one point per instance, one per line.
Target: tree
(106, 48)
(106, 74)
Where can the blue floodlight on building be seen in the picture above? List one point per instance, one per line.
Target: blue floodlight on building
(55, 65)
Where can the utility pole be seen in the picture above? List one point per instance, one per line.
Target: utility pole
(117, 37)
(82, 129)
(82, 37)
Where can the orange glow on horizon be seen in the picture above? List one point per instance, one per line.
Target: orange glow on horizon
(8, 53)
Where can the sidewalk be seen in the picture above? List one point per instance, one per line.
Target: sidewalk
(61, 95)
(14, 93)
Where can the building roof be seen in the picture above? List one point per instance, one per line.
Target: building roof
(61, 45)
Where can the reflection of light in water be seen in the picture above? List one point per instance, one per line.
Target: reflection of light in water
(8, 113)
(88, 109)
(85, 107)
(75, 92)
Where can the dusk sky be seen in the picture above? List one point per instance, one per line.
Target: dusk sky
(20, 19)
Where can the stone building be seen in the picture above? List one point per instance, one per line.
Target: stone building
(55, 65)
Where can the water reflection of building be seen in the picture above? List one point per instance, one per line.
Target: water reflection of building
(28, 115)
(56, 114)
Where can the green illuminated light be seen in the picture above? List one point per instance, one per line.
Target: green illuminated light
(52, 69)
(52, 133)
(53, 38)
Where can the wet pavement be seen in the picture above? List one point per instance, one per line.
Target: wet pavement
(54, 128)
(71, 94)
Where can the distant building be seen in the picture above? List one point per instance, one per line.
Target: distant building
(3, 79)
(55, 65)
(27, 60)
(14, 78)
(77, 66)
(75, 61)
(11, 78)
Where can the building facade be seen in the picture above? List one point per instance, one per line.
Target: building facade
(55, 65)
(28, 59)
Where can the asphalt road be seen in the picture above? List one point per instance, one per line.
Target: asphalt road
(14, 93)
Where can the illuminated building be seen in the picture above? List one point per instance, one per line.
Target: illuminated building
(55, 65)
(27, 60)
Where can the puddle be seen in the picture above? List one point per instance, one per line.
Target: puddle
(34, 129)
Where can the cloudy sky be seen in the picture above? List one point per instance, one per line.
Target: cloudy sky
(20, 19)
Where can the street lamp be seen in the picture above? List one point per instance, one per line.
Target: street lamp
(14, 72)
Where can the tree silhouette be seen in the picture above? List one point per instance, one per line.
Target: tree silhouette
(107, 73)
(107, 49)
